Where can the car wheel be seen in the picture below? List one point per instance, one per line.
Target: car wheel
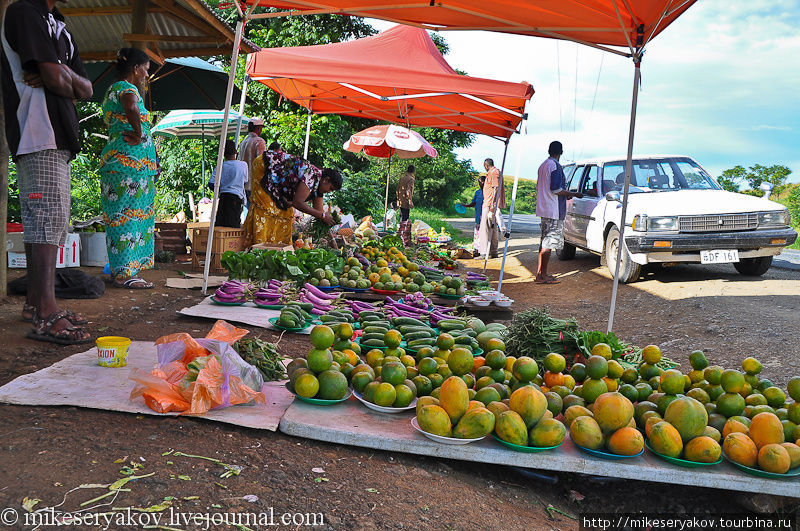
(629, 270)
(753, 267)
(567, 252)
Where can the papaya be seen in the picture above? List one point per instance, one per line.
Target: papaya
(454, 398)
(496, 408)
(546, 433)
(426, 401)
(794, 454)
(741, 449)
(529, 403)
(774, 458)
(665, 439)
(712, 432)
(510, 427)
(574, 412)
(585, 432)
(688, 416)
(487, 395)
(702, 449)
(649, 423)
(626, 441)
(474, 404)
(475, 423)
(435, 420)
(612, 411)
(766, 428)
(734, 426)
(640, 409)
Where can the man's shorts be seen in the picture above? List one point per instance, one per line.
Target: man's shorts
(552, 233)
(44, 195)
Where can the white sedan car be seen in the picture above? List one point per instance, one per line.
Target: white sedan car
(676, 213)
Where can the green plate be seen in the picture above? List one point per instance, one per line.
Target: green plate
(320, 401)
(215, 301)
(274, 322)
(269, 306)
(446, 296)
(358, 340)
(681, 462)
(763, 473)
(607, 455)
(477, 352)
(526, 449)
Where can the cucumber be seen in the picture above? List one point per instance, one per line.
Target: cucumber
(372, 336)
(375, 330)
(407, 321)
(328, 318)
(382, 324)
(372, 342)
(306, 306)
(417, 335)
(450, 324)
(366, 315)
(425, 342)
(297, 312)
(407, 329)
(466, 332)
(463, 340)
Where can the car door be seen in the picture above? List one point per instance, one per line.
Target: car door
(572, 176)
(583, 209)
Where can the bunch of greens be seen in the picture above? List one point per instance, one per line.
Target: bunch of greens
(319, 230)
(536, 334)
(588, 339)
(263, 265)
(263, 356)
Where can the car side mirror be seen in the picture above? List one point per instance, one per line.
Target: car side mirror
(612, 196)
(767, 189)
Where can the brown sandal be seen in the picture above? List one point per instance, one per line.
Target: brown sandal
(43, 330)
(70, 316)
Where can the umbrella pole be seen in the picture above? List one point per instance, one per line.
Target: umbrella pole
(637, 74)
(386, 197)
(203, 149)
(497, 198)
(510, 217)
(237, 41)
(308, 135)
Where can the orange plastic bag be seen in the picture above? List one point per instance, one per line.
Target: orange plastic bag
(222, 331)
(158, 394)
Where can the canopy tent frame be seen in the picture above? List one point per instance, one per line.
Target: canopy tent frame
(635, 52)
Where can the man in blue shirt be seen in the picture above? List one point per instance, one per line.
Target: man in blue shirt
(233, 177)
(477, 202)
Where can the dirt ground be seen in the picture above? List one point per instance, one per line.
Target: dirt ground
(46, 451)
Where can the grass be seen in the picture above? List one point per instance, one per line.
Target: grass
(783, 198)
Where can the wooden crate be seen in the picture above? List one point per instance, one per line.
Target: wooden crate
(225, 239)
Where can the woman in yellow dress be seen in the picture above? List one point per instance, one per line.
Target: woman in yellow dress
(282, 183)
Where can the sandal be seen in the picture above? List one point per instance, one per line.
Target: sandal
(43, 330)
(70, 316)
(134, 283)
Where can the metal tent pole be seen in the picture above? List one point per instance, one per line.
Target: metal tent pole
(497, 198)
(203, 149)
(308, 135)
(241, 109)
(237, 41)
(637, 74)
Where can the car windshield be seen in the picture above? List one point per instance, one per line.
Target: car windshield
(657, 175)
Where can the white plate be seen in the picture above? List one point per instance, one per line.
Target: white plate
(490, 294)
(439, 438)
(724, 256)
(480, 301)
(382, 409)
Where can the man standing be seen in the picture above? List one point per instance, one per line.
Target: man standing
(42, 77)
(233, 178)
(251, 147)
(489, 230)
(405, 193)
(477, 204)
(551, 207)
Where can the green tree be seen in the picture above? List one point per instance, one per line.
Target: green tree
(777, 175)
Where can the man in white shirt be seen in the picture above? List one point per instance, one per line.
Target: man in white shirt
(251, 147)
(551, 207)
(232, 181)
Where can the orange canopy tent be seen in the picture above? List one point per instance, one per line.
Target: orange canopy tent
(397, 76)
(622, 27)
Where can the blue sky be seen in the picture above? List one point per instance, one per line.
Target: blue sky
(721, 84)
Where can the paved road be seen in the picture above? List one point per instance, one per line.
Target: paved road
(528, 224)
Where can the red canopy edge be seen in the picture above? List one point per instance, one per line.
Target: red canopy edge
(598, 22)
(398, 76)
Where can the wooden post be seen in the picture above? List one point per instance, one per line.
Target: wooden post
(139, 22)
(3, 183)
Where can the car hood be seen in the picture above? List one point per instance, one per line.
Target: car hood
(697, 202)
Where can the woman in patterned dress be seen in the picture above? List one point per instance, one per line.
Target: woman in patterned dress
(282, 181)
(129, 166)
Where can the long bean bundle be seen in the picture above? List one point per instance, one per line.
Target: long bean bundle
(535, 333)
(263, 356)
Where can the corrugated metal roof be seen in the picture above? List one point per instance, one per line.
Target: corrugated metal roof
(99, 27)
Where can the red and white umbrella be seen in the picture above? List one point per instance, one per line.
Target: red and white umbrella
(386, 140)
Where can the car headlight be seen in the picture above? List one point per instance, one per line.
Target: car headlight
(775, 218)
(662, 223)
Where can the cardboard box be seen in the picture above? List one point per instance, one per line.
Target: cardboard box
(68, 255)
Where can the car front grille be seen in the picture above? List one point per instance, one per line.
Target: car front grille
(718, 223)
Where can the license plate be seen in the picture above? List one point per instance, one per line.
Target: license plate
(719, 257)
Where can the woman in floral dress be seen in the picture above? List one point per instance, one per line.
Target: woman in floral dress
(281, 181)
(129, 166)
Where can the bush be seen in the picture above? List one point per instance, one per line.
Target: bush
(361, 195)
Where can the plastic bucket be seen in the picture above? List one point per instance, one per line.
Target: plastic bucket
(112, 351)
